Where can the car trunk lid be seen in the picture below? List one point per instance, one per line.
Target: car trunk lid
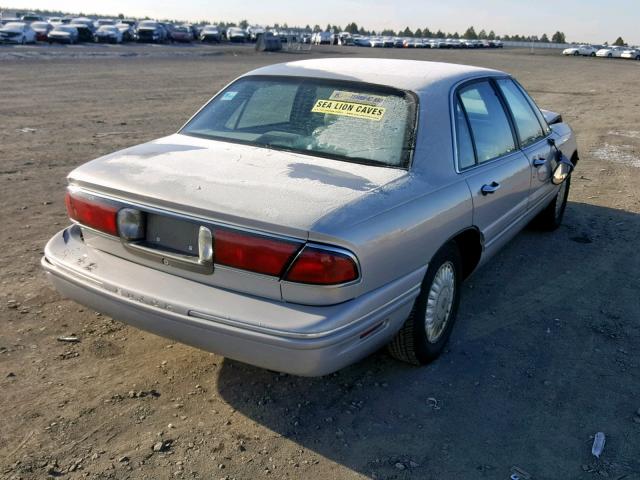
(275, 191)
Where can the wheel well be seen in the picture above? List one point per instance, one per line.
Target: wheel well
(469, 243)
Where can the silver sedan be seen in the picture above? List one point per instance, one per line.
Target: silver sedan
(314, 211)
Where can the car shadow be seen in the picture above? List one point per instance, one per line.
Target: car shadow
(533, 368)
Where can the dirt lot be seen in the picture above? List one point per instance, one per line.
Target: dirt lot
(545, 353)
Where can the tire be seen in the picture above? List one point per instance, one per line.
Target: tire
(610, 56)
(412, 343)
(551, 217)
(576, 54)
(593, 54)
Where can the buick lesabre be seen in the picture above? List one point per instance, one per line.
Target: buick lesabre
(315, 211)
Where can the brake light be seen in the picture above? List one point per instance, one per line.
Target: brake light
(322, 267)
(255, 253)
(92, 213)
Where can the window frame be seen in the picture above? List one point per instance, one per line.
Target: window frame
(411, 132)
(454, 96)
(544, 131)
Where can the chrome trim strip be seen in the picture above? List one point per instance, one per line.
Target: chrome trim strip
(72, 276)
(400, 300)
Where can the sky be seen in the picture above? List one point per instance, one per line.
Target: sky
(581, 20)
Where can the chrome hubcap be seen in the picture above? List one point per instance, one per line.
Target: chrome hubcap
(560, 198)
(440, 302)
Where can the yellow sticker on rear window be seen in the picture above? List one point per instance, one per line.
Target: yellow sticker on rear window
(349, 109)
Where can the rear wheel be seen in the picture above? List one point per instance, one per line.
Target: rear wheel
(551, 217)
(425, 333)
(576, 53)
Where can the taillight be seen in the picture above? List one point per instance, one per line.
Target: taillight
(322, 267)
(91, 212)
(255, 253)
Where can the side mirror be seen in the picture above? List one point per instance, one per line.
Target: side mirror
(563, 169)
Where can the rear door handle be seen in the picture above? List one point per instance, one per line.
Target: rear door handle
(489, 188)
(538, 162)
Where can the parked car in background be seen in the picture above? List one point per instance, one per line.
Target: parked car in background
(362, 41)
(195, 31)
(254, 31)
(42, 29)
(376, 42)
(108, 34)
(326, 38)
(356, 232)
(128, 32)
(584, 50)
(85, 32)
(32, 17)
(235, 34)
(6, 20)
(17, 32)
(610, 52)
(150, 31)
(181, 34)
(103, 21)
(168, 27)
(84, 21)
(210, 33)
(63, 34)
(631, 53)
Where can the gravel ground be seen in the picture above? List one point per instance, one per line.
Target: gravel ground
(544, 355)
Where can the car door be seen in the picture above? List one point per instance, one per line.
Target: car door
(496, 171)
(532, 131)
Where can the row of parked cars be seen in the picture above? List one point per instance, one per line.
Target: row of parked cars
(603, 51)
(345, 38)
(32, 28)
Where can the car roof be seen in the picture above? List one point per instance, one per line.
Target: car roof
(414, 75)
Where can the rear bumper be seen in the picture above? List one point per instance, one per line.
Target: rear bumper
(312, 340)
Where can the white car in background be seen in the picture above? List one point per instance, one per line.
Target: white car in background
(584, 50)
(235, 34)
(17, 32)
(322, 38)
(611, 52)
(632, 53)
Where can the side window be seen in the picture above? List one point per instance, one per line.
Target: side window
(489, 124)
(269, 106)
(536, 110)
(527, 123)
(466, 155)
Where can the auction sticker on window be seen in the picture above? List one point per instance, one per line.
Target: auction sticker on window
(345, 96)
(349, 109)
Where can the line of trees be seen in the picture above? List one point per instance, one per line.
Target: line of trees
(469, 34)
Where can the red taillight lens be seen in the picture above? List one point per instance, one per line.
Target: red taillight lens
(92, 213)
(322, 267)
(253, 252)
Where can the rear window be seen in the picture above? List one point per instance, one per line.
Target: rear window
(348, 121)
